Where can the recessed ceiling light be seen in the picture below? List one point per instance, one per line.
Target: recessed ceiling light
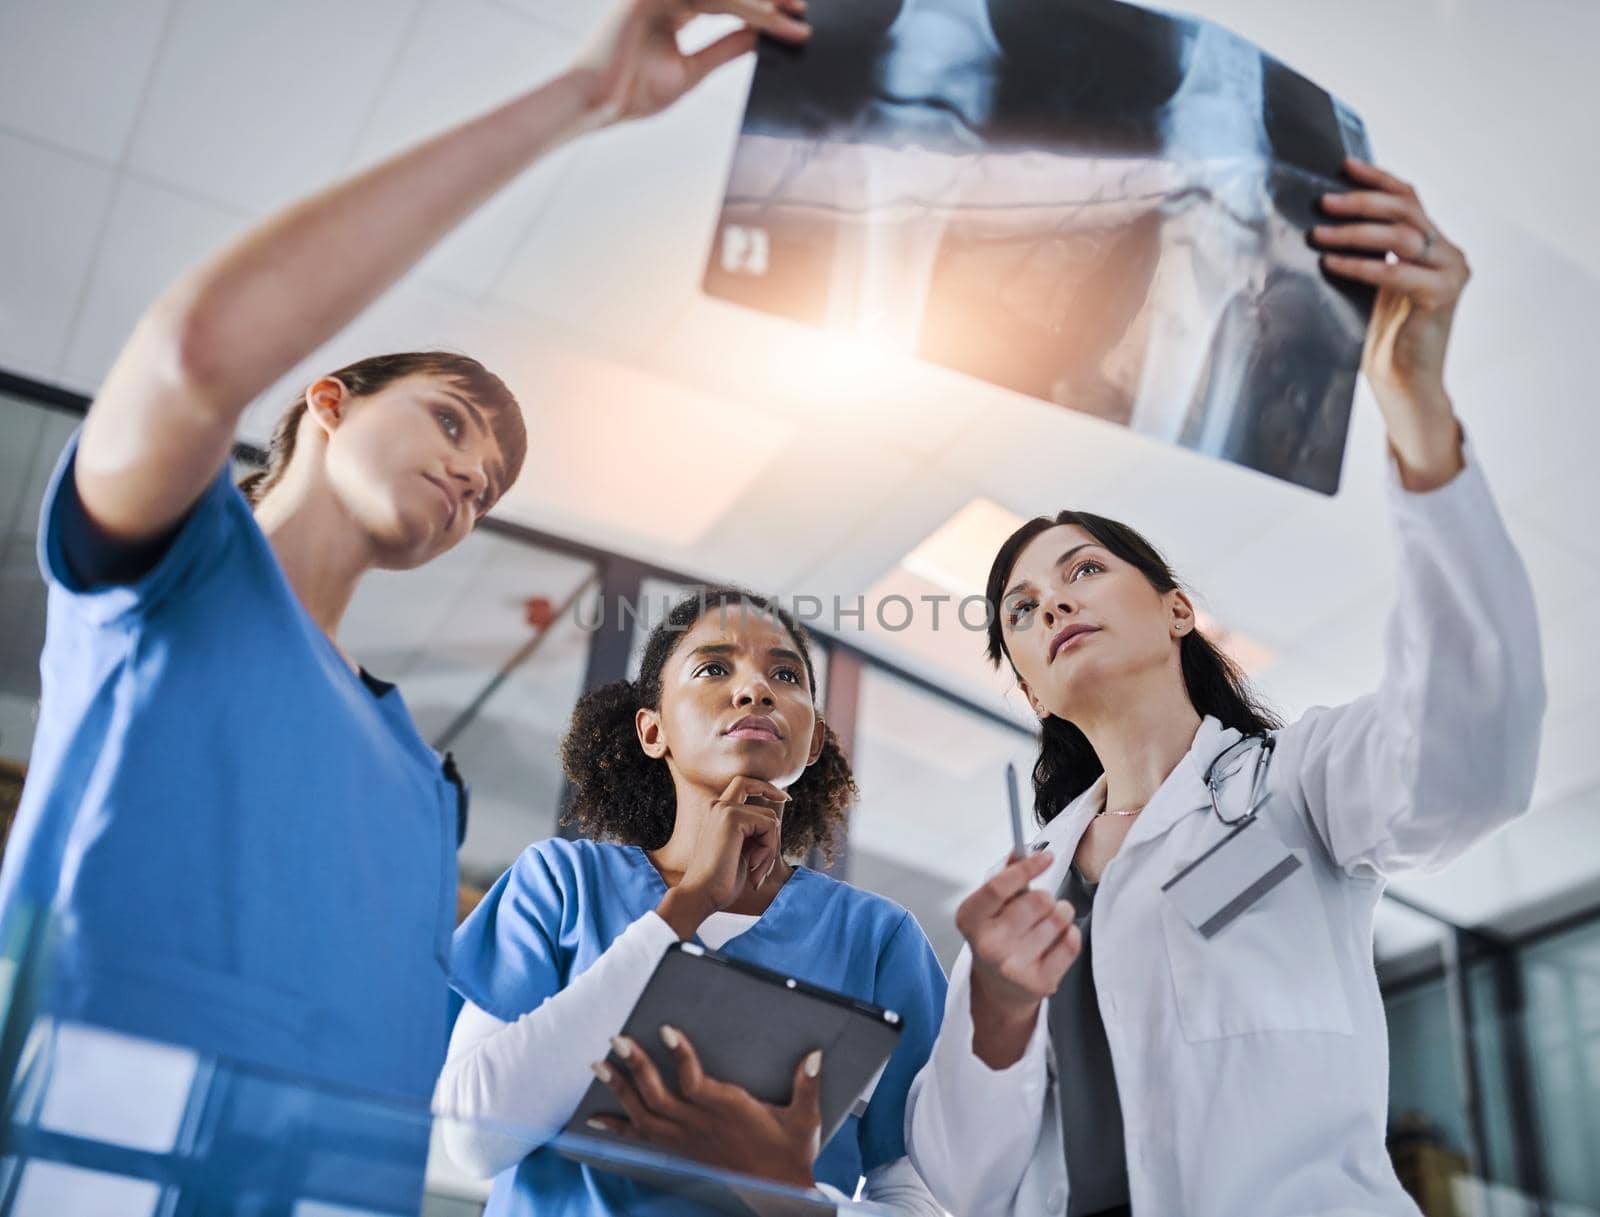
(957, 556)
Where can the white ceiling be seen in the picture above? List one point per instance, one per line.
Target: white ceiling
(135, 135)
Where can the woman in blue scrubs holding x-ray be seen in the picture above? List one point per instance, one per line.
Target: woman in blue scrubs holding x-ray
(232, 839)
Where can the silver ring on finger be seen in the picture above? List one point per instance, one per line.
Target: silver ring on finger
(1429, 237)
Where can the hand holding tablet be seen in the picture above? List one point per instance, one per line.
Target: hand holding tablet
(713, 1121)
(736, 1066)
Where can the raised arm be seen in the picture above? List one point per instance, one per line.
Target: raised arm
(1445, 750)
(163, 422)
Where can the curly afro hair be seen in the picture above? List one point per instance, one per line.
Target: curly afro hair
(620, 794)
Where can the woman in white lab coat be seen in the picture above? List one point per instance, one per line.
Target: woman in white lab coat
(1220, 1049)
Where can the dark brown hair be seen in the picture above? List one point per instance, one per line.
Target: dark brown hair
(620, 794)
(368, 376)
(1067, 765)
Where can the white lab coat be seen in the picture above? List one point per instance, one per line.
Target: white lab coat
(1253, 1068)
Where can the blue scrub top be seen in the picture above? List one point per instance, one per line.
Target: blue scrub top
(238, 847)
(563, 903)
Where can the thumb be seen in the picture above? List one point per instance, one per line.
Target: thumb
(725, 49)
(805, 1107)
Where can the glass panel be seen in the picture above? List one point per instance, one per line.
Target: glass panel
(1489, 1051)
(1538, 1128)
(1427, 1098)
(1561, 978)
(656, 598)
(446, 633)
(256, 1141)
(31, 440)
(932, 818)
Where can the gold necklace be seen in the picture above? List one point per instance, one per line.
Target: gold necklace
(1132, 811)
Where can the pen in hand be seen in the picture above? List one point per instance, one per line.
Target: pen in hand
(1018, 846)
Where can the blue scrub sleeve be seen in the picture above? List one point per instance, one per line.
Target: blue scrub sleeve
(188, 558)
(912, 984)
(505, 957)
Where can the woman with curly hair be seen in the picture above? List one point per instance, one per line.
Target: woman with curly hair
(701, 782)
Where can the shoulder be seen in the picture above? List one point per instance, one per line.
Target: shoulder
(545, 885)
(574, 863)
(113, 580)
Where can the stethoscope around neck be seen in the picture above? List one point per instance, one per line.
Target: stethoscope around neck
(1258, 777)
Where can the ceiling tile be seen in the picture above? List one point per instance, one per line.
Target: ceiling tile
(845, 391)
(898, 508)
(1569, 763)
(1481, 57)
(152, 236)
(414, 315)
(258, 104)
(624, 459)
(73, 73)
(621, 246)
(1035, 458)
(463, 58)
(939, 809)
(808, 501)
(51, 208)
(1512, 371)
(1298, 561)
(920, 627)
(1296, 683)
(1566, 500)
(1566, 588)
(577, 17)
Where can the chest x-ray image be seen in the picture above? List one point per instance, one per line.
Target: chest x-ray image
(1101, 205)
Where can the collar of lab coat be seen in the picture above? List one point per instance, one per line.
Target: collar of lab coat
(1183, 793)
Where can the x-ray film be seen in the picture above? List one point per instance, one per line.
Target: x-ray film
(1101, 205)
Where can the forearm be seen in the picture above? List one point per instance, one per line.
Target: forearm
(1424, 436)
(512, 1089)
(241, 320)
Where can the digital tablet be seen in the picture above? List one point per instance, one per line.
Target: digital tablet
(752, 1027)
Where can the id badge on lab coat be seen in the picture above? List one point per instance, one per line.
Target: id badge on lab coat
(1211, 891)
